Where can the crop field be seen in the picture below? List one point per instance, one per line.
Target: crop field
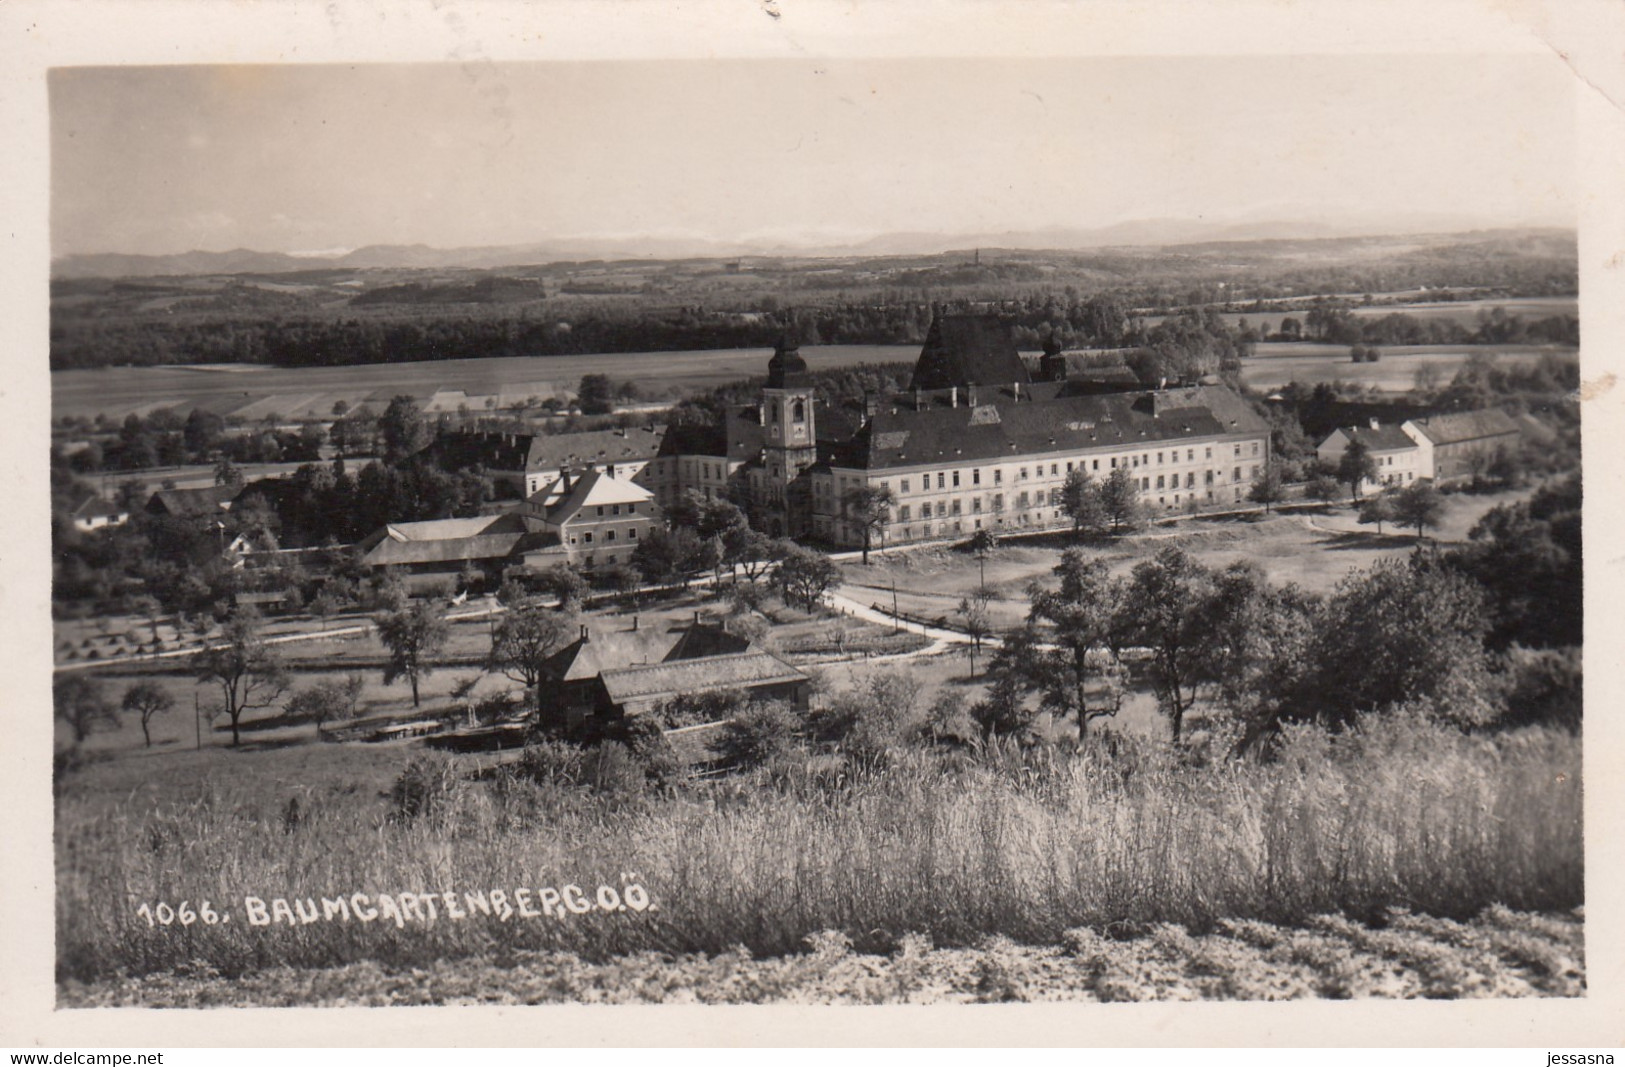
(1274, 364)
(292, 392)
(1005, 875)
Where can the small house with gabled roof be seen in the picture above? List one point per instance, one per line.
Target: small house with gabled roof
(1454, 446)
(1397, 458)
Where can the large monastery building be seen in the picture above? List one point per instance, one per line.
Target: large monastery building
(974, 443)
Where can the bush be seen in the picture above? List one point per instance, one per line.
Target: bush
(423, 789)
(762, 734)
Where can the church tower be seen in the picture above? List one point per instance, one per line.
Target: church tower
(789, 437)
(788, 431)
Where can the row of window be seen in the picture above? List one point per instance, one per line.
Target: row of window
(1052, 497)
(951, 479)
(609, 535)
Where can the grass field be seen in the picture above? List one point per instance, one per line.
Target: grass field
(1026, 846)
(1277, 363)
(117, 391)
(1314, 550)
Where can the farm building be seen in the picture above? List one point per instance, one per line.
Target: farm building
(443, 548)
(639, 690)
(629, 672)
(1456, 446)
(1397, 457)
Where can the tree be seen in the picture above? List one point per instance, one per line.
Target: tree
(413, 636)
(326, 701)
(247, 670)
(1068, 652)
(147, 698)
(1406, 630)
(1418, 505)
(1528, 556)
(670, 555)
(564, 582)
(982, 543)
(753, 554)
(1162, 610)
(596, 394)
(806, 575)
(525, 639)
(1266, 487)
(718, 523)
(1377, 509)
(227, 473)
(402, 430)
(973, 614)
(1322, 487)
(78, 700)
(1355, 468)
(1083, 500)
(759, 736)
(869, 506)
(1120, 496)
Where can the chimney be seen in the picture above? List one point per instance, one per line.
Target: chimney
(586, 636)
(634, 624)
(1374, 424)
(953, 395)
(1015, 388)
(970, 395)
(916, 398)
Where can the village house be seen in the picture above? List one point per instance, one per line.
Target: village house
(208, 501)
(598, 519)
(1396, 455)
(93, 512)
(1452, 447)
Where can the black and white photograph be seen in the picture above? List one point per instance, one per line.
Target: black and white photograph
(814, 526)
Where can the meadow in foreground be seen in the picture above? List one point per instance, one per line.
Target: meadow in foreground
(1118, 854)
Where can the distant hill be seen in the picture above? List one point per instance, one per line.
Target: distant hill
(1140, 233)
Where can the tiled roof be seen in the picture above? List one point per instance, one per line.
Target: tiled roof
(95, 507)
(1466, 426)
(741, 670)
(592, 489)
(202, 501)
(968, 350)
(1047, 419)
(707, 639)
(609, 650)
(1385, 438)
(544, 452)
(452, 540)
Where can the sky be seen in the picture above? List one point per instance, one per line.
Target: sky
(305, 158)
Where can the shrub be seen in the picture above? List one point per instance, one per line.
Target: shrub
(763, 733)
(423, 789)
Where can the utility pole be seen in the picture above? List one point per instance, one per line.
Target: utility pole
(895, 618)
(197, 719)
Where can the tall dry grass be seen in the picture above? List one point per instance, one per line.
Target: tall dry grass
(1024, 844)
